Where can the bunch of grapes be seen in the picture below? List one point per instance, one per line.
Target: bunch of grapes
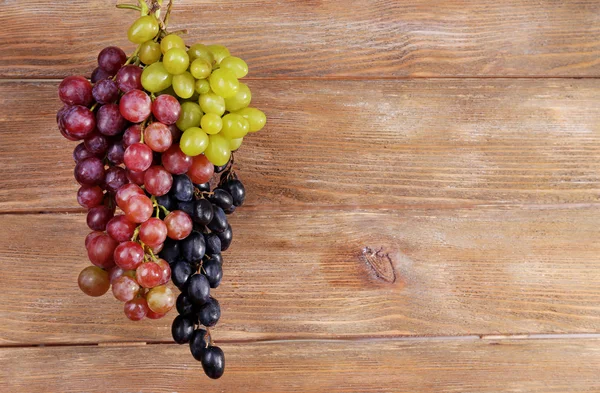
(157, 129)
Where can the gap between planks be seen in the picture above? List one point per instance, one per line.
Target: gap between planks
(470, 337)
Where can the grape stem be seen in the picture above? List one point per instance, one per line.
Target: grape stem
(129, 7)
(135, 233)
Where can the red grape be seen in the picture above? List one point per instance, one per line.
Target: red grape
(158, 137)
(126, 192)
(136, 177)
(114, 273)
(136, 309)
(116, 177)
(179, 225)
(175, 133)
(79, 122)
(91, 236)
(125, 288)
(75, 90)
(175, 161)
(93, 281)
(109, 120)
(135, 106)
(129, 255)
(157, 249)
(158, 180)
(80, 153)
(90, 196)
(129, 78)
(101, 249)
(153, 232)
(90, 171)
(138, 208)
(160, 299)
(120, 228)
(111, 59)
(132, 135)
(99, 74)
(105, 91)
(148, 274)
(166, 109)
(138, 157)
(116, 153)
(165, 271)
(96, 143)
(201, 170)
(154, 315)
(98, 217)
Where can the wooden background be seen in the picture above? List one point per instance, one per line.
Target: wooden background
(423, 210)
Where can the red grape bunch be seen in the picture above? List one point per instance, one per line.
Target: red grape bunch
(157, 128)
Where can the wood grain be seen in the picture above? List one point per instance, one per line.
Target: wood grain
(476, 366)
(325, 38)
(458, 142)
(296, 273)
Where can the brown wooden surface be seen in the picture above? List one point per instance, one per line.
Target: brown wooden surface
(440, 366)
(325, 38)
(457, 142)
(429, 169)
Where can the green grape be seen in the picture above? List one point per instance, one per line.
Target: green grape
(235, 144)
(193, 141)
(235, 65)
(171, 41)
(149, 52)
(234, 126)
(200, 69)
(219, 52)
(156, 78)
(240, 100)
(190, 116)
(201, 51)
(255, 117)
(211, 123)
(202, 86)
(224, 83)
(212, 103)
(176, 61)
(184, 85)
(143, 29)
(218, 150)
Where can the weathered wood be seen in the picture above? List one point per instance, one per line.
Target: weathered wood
(296, 273)
(442, 366)
(426, 142)
(325, 38)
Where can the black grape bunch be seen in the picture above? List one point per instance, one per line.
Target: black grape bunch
(156, 168)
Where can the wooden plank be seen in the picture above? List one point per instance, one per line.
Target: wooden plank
(296, 273)
(392, 366)
(325, 38)
(420, 142)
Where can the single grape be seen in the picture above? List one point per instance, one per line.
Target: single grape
(221, 198)
(200, 51)
(115, 153)
(218, 151)
(234, 126)
(129, 78)
(212, 103)
(99, 74)
(213, 362)
(180, 274)
(120, 228)
(160, 299)
(184, 305)
(200, 69)
(79, 122)
(166, 109)
(236, 65)
(93, 281)
(237, 191)
(148, 274)
(132, 135)
(203, 212)
(167, 202)
(183, 188)
(219, 52)
(210, 312)
(213, 272)
(190, 116)
(124, 193)
(156, 78)
(186, 207)
(150, 52)
(76, 90)
(224, 83)
(235, 144)
(175, 133)
(155, 315)
(182, 329)
(192, 248)
(158, 137)
(136, 309)
(111, 59)
(105, 91)
(171, 41)
(198, 343)
(116, 177)
(255, 117)
(98, 217)
(201, 170)
(240, 100)
(179, 225)
(129, 255)
(80, 153)
(170, 251)
(109, 120)
(213, 243)
(125, 288)
(202, 86)
(138, 157)
(136, 177)
(219, 222)
(135, 106)
(193, 141)
(89, 172)
(175, 161)
(184, 85)
(165, 271)
(91, 236)
(176, 61)
(100, 251)
(211, 123)
(96, 144)
(114, 273)
(90, 196)
(143, 29)
(153, 232)
(157, 180)
(226, 237)
(138, 209)
(198, 289)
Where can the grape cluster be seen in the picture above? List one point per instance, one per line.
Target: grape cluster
(157, 129)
